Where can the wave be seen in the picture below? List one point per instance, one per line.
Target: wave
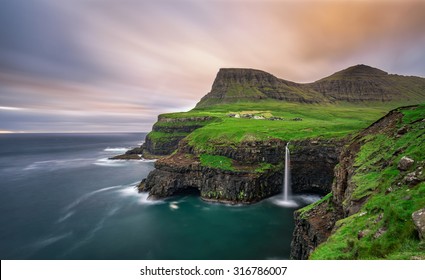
(119, 149)
(143, 197)
(58, 164)
(88, 195)
(66, 216)
(174, 205)
(120, 162)
(50, 240)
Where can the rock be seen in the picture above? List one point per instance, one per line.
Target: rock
(411, 179)
(418, 218)
(297, 119)
(402, 130)
(363, 233)
(311, 230)
(379, 218)
(407, 197)
(405, 163)
(126, 157)
(380, 232)
(135, 151)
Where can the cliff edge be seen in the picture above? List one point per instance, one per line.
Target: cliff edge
(379, 186)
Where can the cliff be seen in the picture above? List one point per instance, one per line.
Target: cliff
(248, 117)
(244, 174)
(379, 185)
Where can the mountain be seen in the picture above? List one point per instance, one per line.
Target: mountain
(360, 83)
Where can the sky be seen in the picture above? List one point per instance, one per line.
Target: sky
(114, 65)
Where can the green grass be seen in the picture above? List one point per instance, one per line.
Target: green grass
(319, 121)
(263, 167)
(383, 210)
(218, 162)
(325, 121)
(306, 209)
(162, 137)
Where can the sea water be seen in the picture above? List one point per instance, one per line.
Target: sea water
(62, 198)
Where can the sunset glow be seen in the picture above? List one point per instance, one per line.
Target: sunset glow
(114, 65)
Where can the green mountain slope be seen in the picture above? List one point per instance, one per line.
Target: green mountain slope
(375, 194)
(358, 83)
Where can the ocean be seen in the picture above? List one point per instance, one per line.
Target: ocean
(61, 198)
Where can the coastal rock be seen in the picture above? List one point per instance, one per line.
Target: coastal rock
(127, 157)
(418, 218)
(182, 173)
(312, 228)
(311, 164)
(171, 131)
(405, 163)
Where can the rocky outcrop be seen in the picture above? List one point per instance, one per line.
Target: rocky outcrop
(418, 218)
(312, 228)
(312, 166)
(167, 132)
(405, 163)
(182, 173)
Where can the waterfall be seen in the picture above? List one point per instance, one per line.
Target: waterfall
(287, 178)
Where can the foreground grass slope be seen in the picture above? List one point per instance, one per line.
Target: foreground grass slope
(383, 228)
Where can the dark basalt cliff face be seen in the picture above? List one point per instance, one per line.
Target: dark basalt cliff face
(167, 133)
(313, 161)
(183, 173)
(312, 165)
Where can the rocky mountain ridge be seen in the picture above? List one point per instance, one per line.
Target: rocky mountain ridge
(360, 83)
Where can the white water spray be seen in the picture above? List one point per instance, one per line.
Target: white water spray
(287, 178)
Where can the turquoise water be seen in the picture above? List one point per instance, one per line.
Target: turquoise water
(61, 198)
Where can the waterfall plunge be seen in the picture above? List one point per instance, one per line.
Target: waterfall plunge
(286, 199)
(287, 178)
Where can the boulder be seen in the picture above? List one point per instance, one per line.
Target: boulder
(419, 221)
(402, 130)
(405, 163)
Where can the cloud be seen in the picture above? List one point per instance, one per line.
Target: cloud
(119, 63)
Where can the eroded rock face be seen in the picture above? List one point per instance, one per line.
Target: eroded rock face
(418, 218)
(182, 172)
(174, 130)
(312, 164)
(311, 229)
